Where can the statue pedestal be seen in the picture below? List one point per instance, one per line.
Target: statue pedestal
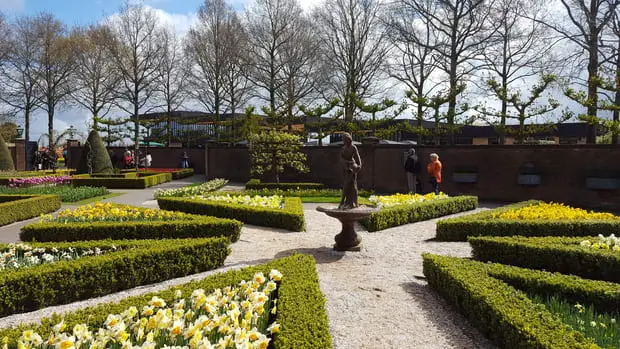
(348, 240)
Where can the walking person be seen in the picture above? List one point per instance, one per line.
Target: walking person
(185, 160)
(434, 172)
(413, 169)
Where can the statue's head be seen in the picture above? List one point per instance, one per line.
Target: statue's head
(347, 139)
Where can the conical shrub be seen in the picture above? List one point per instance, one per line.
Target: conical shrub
(95, 156)
(6, 160)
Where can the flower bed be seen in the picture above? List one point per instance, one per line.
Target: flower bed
(404, 199)
(113, 221)
(110, 212)
(559, 254)
(42, 180)
(273, 201)
(15, 208)
(299, 311)
(289, 216)
(143, 181)
(484, 224)
(495, 299)
(192, 190)
(610, 243)
(257, 185)
(306, 193)
(67, 193)
(395, 215)
(127, 264)
(551, 212)
(19, 256)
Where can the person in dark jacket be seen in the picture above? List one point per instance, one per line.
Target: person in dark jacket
(413, 169)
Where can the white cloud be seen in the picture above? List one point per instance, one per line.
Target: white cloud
(12, 5)
(180, 22)
(305, 4)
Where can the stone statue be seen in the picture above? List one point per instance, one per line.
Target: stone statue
(351, 164)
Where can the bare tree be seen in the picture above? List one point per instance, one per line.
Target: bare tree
(299, 59)
(464, 26)
(136, 53)
(95, 80)
(172, 82)
(54, 64)
(354, 48)
(584, 27)
(414, 63)
(206, 50)
(18, 74)
(270, 25)
(237, 85)
(519, 49)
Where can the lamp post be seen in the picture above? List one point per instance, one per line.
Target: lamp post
(71, 131)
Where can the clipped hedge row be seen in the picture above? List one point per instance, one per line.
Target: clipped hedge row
(14, 208)
(256, 184)
(394, 216)
(182, 173)
(502, 313)
(200, 226)
(300, 311)
(290, 217)
(459, 228)
(122, 183)
(138, 262)
(559, 254)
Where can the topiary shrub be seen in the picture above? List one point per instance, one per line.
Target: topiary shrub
(95, 157)
(6, 160)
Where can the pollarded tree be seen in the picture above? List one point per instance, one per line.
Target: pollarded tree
(272, 151)
(95, 157)
(6, 160)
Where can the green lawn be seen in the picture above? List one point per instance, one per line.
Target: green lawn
(93, 199)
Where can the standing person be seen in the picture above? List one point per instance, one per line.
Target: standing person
(413, 169)
(434, 172)
(149, 159)
(185, 160)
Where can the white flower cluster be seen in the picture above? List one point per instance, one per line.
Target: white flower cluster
(273, 201)
(201, 189)
(604, 243)
(18, 255)
(228, 318)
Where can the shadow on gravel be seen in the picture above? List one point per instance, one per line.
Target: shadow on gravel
(322, 255)
(450, 323)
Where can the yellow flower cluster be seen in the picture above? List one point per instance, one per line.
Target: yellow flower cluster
(603, 243)
(232, 317)
(108, 212)
(553, 211)
(272, 201)
(404, 199)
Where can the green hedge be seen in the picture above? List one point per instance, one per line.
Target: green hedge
(458, 229)
(394, 216)
(256, 184)
(502, 313)
(182, 173)
(15, 208)
(300, 311)
(559, 254)
(290, 217)
(122, 183)
(138, 262)
(200, 226)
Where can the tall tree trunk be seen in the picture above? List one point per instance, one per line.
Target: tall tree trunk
(26, 134)
(136, 134)
(420, 112)
(169, 124)
(504, 110)
(592, 88)
(50, 127)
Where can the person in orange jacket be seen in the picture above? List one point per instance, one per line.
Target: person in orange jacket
(434, 172)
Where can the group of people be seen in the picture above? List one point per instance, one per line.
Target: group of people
(128, 159)
(413, 168)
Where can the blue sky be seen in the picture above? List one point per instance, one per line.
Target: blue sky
(83, 12)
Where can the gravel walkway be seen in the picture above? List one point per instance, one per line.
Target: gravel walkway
(376, 298)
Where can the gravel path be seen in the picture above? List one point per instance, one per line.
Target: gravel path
(376, 298)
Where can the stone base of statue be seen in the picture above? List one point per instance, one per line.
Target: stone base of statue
(347, 240)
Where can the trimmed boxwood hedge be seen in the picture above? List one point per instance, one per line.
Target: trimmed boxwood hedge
(200, 226)
(502, 313)
(394, 216)
(256, 184)
(300, 311)
(122, 183)
(182, 173)
(459, 228)
(137, 262)
(15, 208)
(559, 254)
(290, 217)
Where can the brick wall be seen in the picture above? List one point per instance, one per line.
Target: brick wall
(563, 170)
